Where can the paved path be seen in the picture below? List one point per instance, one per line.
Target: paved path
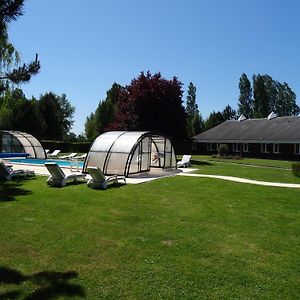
(243, 180)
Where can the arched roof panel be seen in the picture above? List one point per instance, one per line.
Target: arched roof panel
(127, 152)
(28, 142)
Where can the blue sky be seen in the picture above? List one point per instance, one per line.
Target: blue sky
(86, 46)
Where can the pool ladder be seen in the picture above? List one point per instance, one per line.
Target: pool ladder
(74, 165)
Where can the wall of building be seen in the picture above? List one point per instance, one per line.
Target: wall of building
(286, 151)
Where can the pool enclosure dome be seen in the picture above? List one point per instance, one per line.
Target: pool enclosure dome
(20, 142)
(130, 152)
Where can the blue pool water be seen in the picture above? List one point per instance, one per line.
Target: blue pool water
(36, 161)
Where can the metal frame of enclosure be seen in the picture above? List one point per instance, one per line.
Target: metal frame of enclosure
(130, 152)
(21, 142)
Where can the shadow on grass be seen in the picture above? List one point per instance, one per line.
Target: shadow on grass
(201, 163)
(51, 285)
(68, 184)
(10, 189)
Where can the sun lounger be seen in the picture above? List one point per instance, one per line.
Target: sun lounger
(58, 177)
(83, 156)
(185, 161)
(54, 153)
(7, 173)
(69, 156)
(100, 181)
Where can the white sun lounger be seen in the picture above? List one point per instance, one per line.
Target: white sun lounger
(185, 161)
(100, 181)
(58, 177)
(83, 156)
(69, 156)
(54, 153)
(8, 173)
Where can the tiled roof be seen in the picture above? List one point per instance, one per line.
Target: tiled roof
(281, 129)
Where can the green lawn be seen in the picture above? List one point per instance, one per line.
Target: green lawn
(255, 170)
(245, 160)
(174, 238)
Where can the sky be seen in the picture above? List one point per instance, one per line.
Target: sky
(86, 46)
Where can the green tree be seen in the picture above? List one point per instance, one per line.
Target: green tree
(197, 124)
(228, 113)
(113, 93)
(261, 107)
(271, 95)
(245, 102)
(10, 10)
(90, 127)
(58, 113)
(191, 104)
(104, 115)
(6, 111)
(214, 119)
(19, 113)
(194, 119)
(286, 101)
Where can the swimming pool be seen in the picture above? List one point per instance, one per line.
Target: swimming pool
(36, 161)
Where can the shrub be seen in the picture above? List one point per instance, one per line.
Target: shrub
(66, 147)
(223, 150)
(296, 169)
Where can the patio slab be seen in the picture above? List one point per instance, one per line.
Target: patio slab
(132, 179)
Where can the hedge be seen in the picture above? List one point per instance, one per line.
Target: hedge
(181, 146)
(296, 169)
(67, 147)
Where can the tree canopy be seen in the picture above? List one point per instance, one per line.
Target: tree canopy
(216, 118)
(11, 70)
(50, 117)
(98, 122)
(150, 102)
(271, 95)
(245, 102)
(194, 118)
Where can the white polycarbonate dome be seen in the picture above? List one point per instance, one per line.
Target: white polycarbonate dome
(130, 152)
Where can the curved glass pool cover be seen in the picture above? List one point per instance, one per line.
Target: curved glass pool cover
(21, 142)
(130, 152)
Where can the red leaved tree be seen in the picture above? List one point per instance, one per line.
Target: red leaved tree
(154, 103)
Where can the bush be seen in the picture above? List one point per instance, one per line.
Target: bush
(296, 169)
(66, 147)
(223, 150)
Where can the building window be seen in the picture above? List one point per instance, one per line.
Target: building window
(296, 148)
(195, 146)
(246, 147)
(276, 148)
(209, 147)
(264, 148)
(235, 147)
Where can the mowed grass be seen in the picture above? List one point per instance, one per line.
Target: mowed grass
(174, 238)
(255, 171)
(284, 164)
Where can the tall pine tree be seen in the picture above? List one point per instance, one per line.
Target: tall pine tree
(195, 122)
(191, 104)
(271, 95)
(261, 103)
(286, 101)
(245, 104)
